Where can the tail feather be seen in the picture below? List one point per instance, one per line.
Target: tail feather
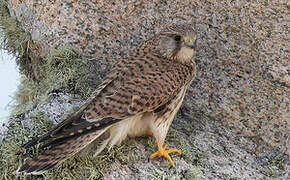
(63, 142)
(57, 130)
(58, 153)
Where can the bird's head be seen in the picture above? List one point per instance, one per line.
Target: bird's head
(177, 42)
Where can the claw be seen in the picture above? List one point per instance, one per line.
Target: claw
(162, 152)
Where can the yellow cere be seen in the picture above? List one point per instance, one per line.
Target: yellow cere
(188, 39)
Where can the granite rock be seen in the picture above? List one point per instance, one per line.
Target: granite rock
(243, 70)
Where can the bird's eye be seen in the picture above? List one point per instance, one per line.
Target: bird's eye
(177, 38)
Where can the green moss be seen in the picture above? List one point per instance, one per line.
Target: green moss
(274, 166)
(193, 174)
(277, 161)
(67, 70)
(85, 166)
(31, 93)
(221, 163)
(11, 153)
(16, 41)
(78, 167)
(270, 172)
(158, 174)
(189, 153)
(82, 166)
(63, 70)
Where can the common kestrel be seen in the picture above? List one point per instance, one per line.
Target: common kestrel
(140, 96)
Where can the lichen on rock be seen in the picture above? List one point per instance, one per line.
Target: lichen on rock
(234, 123)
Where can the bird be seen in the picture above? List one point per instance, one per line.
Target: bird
(140, 96)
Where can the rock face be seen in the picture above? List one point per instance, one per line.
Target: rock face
(239, 104)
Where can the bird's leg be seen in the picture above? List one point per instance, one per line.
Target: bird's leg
(162, 152)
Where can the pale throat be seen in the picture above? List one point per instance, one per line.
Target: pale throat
(185, 54)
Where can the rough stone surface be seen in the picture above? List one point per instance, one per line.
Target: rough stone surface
(58, 106)
(243, 77)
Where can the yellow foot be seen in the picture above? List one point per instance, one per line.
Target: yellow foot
(162, 152)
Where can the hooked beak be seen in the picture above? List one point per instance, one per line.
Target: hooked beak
(190, 44)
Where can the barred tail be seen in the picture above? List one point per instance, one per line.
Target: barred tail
(58, 152)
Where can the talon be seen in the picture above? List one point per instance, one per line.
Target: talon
(162, 152)
(164, 146)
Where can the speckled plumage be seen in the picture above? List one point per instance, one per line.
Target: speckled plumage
(140, 96)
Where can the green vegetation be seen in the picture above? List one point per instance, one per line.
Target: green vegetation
(85, 166)
(11, 153)
(270, 172)
(158, 174)
(189, 153)
(15, 40)
(274, 166)
(82, 165)
(277, 161)
(65, 70)
(62, 69)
